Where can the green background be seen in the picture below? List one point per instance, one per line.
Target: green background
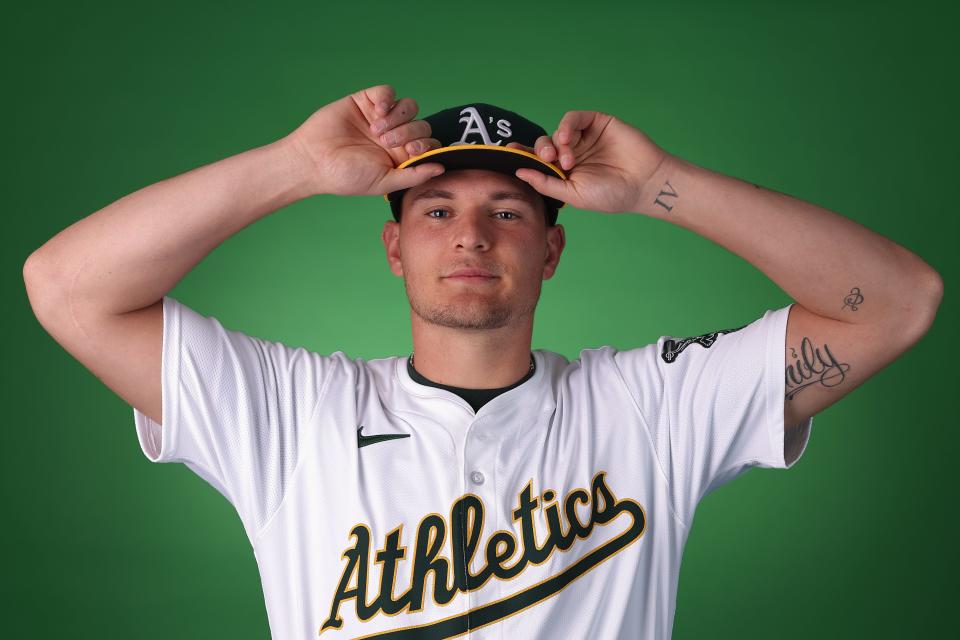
(852, 107)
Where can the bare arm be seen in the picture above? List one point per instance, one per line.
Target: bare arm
(129, 254)
(97, 286)
(862, 299)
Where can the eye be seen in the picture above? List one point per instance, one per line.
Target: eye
(506, 215)
(444, 213)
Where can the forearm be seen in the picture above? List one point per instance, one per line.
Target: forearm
(132, 252)
(829, 264)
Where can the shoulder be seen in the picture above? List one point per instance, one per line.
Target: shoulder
(599, 367)
(361, 373)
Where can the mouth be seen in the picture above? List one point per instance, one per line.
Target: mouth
(471, 274)
(472, 279)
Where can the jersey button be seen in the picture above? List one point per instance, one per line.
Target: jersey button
(476, 477)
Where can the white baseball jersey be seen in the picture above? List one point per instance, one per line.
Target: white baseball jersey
(378, 507)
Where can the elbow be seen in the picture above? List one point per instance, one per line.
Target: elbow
(936, 288)
(39, 281)
(31, 272)
(929, 292)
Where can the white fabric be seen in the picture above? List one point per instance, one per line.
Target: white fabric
(274, 429)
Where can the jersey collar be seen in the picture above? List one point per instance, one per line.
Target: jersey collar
(535, 393)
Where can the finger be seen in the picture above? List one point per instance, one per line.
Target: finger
(404, 133)
(572, 124)
(522, 147)
(573, 138)
(379, 98)
(383, 107)
(569, 132)
(547, 185)
(421, 145)
(545, 149)
(398, 179)
(565, 156)
(403, 111)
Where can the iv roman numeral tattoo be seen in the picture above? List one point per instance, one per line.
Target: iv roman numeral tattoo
(813, 365)
(669, 193)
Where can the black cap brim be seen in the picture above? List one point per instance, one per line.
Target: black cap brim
(482, 156)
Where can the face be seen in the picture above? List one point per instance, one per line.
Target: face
(473, 248)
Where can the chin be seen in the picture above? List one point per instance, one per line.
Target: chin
(457, 316)
(468, 309)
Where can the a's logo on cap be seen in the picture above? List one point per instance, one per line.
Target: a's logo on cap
(473, 123)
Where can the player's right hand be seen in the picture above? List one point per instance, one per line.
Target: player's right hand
(346, 154)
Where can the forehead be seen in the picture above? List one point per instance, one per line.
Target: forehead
(474, 184)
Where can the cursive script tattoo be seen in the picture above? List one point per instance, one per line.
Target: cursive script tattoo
(671, 193)
(853, 299)
(813, 366)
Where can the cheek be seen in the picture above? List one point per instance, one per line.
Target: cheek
(535, 259)
(416, 261)
(416, 244)
(422, 248)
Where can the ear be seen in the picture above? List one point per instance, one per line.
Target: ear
(391, 242)
(556, 241)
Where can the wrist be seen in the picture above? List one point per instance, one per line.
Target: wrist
(302, 167)
(655, 198)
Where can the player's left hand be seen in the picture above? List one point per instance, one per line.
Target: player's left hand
(608, 162)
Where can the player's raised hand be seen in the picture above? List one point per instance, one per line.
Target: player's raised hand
(607, 161)
(352, 146)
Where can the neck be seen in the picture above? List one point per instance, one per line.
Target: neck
(472, 359)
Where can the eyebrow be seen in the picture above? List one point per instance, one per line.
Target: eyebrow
(447, 195)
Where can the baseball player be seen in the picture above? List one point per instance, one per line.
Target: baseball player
(474, 488)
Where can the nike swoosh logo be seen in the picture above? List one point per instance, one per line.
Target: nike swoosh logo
(363, 440)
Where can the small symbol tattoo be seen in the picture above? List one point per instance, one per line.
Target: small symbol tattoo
(853, 299)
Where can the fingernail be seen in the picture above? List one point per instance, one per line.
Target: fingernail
(565, 161)
(379, 126)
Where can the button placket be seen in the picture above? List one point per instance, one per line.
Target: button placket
(478, 472)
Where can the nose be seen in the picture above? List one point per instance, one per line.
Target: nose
(472, 232)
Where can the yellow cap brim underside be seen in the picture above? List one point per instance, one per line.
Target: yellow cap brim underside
(491, 147)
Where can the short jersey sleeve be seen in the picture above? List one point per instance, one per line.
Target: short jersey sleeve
(233, 407)
(714, 405)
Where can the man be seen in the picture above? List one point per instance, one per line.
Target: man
(474, 488)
